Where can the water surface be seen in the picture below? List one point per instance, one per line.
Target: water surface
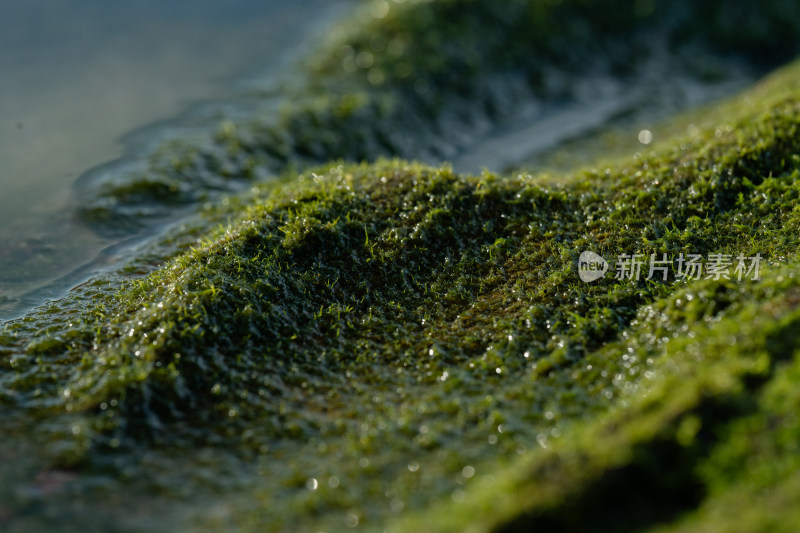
(77, 75)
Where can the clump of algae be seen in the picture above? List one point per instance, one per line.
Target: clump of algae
(392, 343)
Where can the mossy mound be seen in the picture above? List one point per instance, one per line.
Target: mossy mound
(396, 345)
(399, 328)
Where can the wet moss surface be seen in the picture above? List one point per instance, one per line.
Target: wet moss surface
(394, 345)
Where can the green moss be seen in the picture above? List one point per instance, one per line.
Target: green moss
(695, 430)
(396, 328)
(398, 345)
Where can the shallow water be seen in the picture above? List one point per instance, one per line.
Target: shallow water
(76, 76)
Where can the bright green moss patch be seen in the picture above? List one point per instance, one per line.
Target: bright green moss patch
(393, 342)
